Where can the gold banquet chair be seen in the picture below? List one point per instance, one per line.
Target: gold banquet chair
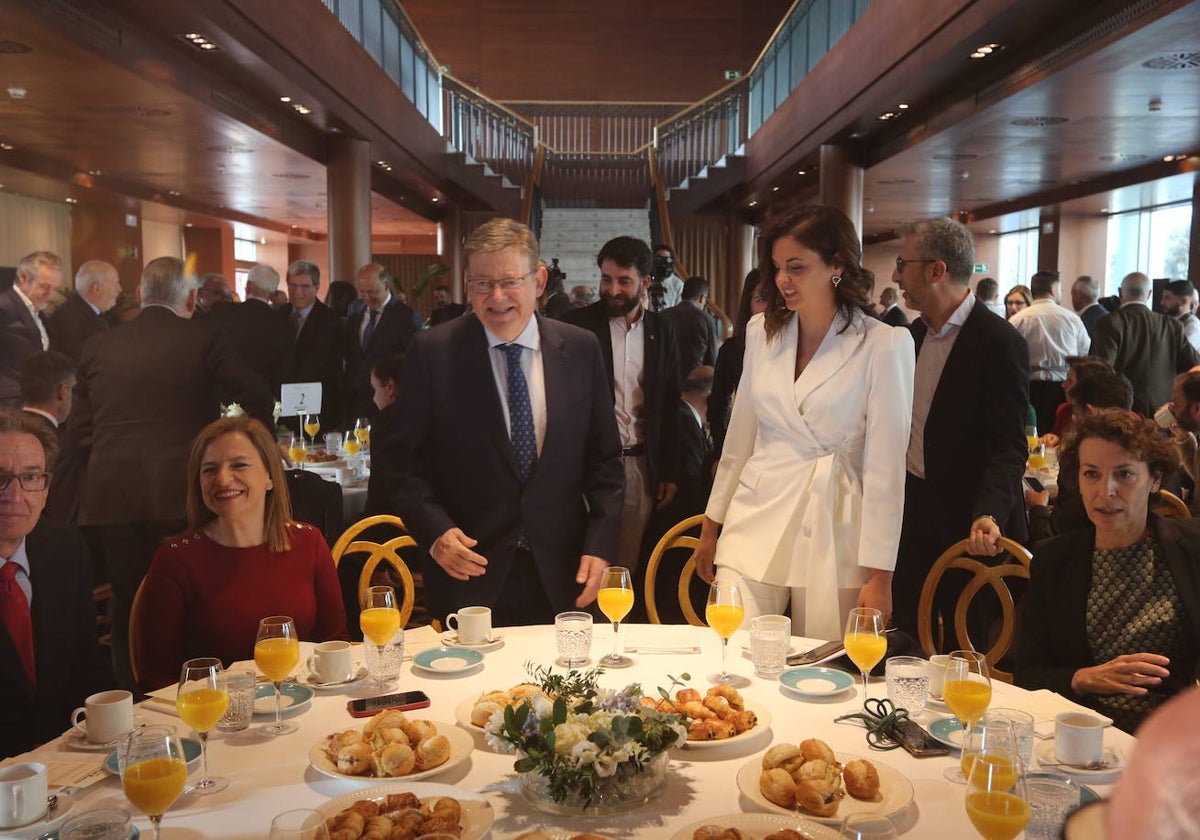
(676, 537)
(995, 576)
(386, 552)
(1171, 505)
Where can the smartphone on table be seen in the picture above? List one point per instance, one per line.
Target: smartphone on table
(404, 701)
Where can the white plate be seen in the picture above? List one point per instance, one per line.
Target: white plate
(461, 745)
(66, 804)
(312, 682)
(760, 825)
(75, 740)
(1114, 760)
(764, 723)
(293, 697)
(447, 660)
(450, 639)
(895, 792)
(477, 814)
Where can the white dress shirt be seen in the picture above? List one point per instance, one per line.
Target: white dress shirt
(362, 328)
(34, 314)
(1191, 329)
(1053, 333)
(629, 362)
(535, 377)
(931, 361)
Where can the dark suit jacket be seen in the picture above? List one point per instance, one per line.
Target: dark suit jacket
(456, 467)
(318, 358)
(695, 336)
(895, 317)
(1052, 640)
(68, 660)
(73, 323)
(19, 339)
(695, 464)
(393, 330)
(727, 373)
(143, 391)
(264, 342)
(446, 313)
(1147, 347)
(1090, 316)
(660, 383)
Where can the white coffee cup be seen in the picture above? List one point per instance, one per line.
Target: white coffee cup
(109, 716)
(473, 625)
(332, 662)
(937, 674)
(1078, 739)
(1165, 416)
(22, 793)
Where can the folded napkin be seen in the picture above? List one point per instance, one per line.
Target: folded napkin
(64, 773)
(663, 638)
(1044, 705)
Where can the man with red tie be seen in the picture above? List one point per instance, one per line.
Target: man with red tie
(49, 659)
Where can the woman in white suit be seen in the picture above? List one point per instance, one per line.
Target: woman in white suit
(809, 492)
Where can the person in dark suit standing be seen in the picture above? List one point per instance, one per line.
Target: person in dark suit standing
(444, 307)
(264, 341)
(384, 326)
(22, 332)
(144, 390)
(47, 391)
(1149, 348)
(641, 357)
(86, 312)
(509, 468)
(695, 332)
(49, 659)
(967, 449)
(1085, 300)
(318, 348)
(892, 315)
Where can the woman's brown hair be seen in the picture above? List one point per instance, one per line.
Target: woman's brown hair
(1138, 436)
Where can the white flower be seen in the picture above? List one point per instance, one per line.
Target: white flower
(542, 705)
(568, 735)
(232, 410)
(606, 765)
(491, 734)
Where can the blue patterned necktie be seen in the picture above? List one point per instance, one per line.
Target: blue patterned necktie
(520, 413)
(372, 316)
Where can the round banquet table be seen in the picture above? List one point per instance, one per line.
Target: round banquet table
(271, 775)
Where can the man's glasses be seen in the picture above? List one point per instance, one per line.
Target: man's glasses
(901, 263)
(30, 482)
(483, 286)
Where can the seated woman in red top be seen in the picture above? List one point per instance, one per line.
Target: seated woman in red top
(241, 558)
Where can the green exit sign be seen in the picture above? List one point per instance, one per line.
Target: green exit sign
(981, 268)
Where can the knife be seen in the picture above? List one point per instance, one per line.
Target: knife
(821, 652)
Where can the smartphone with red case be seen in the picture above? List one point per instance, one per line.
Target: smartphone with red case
(404, 701)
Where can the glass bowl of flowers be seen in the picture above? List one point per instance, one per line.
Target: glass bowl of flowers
(585, 750)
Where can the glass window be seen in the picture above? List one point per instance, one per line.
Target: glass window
(245, 250)
(1153, 240)
(1018, 258)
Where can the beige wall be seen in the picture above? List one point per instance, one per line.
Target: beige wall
(161, 239)
(30, 224)
(1083, 241)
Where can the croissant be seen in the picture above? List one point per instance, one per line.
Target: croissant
(484, 710)
(378, 828)
(718, 705)
(687, 695)
(729, 693)
(697, 710)
(743, 721)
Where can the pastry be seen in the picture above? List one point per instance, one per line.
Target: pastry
(819, 797)
(778, 787)
(861, 779)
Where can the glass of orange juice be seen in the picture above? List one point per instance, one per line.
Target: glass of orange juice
(967, 689)
(298, 451)
(276, 653)
(616, 600)
(312, 425)
(997, 800)
(864, 640)
(724, 613)
(379, 620)
(201, 701)
(153, 770)
(987, 734)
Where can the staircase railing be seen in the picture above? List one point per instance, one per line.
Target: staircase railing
(588, 126)
(487, 131)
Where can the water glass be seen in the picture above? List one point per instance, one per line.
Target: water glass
(1022, 724)
(573, 635)
(383, 661)
(299, 824)
(770, 636)
(868, 827)
(1051, 798)
(101, 824)
(907, 682)
(240, 685)
(333, 443)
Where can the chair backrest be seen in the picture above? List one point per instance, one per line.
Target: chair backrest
(385, 552)
(1171, 505)
(135, 662)
(676, 537)
(984, 574)
(317, 502)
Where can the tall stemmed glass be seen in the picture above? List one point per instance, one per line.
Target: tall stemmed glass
(868, 827)
(968, 686)
(724, 613)
(362, 431)
(616, 600)
(864, 640)
(298, 451)
(379, 619)
(997, 799)
(153, 770)
(201, 700)
(276, 653)
(985, 735)
(312, 425)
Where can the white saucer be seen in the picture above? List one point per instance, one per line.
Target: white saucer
(450, 639)
(66, 804)
(76, 740)
(312, 682)
(932, 702)
(1113, 762)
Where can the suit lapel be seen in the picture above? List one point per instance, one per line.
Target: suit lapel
(650, 363)
(835, 349)
(599, 326)
(479, 384)
(556, 370)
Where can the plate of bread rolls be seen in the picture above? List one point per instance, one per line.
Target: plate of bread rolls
(755, 827)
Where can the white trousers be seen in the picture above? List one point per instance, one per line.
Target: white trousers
(768, 599)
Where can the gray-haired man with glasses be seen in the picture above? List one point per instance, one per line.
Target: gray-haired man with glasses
(506, 455)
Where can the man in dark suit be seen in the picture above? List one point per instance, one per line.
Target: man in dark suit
(695, 332)
(84, 313)
(47, 390)
(1149, 348)
(318, 348)
(144, 390)
(255, 330)
(892, 315)
(641, 357)
(509, 469)
(22, 332)
(967, 451)
(384, 326)
(49, 659)
(444, 307)
(1085, 294)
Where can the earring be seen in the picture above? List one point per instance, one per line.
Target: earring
(835, 279)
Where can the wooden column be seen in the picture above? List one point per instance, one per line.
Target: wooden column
(1194, 240)
(1049, 230)
(450, 231)
(841, 179)
(348, 178)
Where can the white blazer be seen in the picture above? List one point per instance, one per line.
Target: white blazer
(807, 462)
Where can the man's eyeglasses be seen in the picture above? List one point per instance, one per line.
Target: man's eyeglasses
(901, 263)
(483, 286)
(30, 482)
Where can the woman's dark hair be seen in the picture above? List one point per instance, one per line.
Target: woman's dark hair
(1138, 436)
(743, 313)
(387, 368)
(341, 294)
(828, 232)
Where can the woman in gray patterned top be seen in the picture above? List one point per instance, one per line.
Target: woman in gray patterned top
(1112, 614)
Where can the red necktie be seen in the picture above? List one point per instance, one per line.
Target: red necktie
(14, 609)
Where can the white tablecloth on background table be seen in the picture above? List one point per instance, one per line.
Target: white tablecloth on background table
(270, 775)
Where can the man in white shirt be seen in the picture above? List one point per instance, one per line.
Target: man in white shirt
(1053, 333)
(22, 333)
(664, 274)
(1179, 302)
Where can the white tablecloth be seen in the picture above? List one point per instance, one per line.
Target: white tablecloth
(270, 775)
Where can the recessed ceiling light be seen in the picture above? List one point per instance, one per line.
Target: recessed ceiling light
(94, 172)
(6, 147)
(285, 99)
(774, 189)
(435, 199)
(802, 172)
(1103, 209)
(903, 106)
(188, 224)
(72, 201)
(199, 41)
(173, 192)
(752, 203)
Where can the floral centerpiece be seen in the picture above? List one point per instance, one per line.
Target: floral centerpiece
(585, 749)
